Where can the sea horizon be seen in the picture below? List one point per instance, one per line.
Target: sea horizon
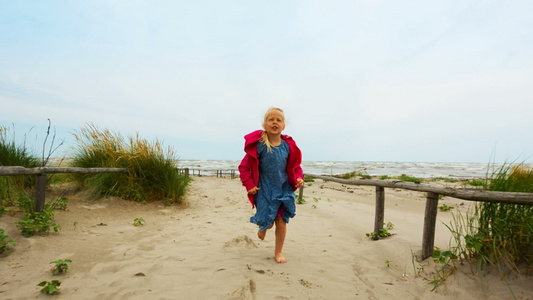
(466, 170)
(458, 170)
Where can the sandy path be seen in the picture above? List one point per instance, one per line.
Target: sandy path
(209, 250)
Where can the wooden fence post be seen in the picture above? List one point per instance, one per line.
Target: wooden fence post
(40, 192)
(380, 211)
(430, 220)
(300, 193)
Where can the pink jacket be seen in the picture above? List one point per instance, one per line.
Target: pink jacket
(249, 166)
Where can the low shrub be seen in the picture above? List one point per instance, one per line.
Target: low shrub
(38, 222)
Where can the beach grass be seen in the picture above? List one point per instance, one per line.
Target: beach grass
(507, 229)
(13, 154)
(498, 234)
(152, 172)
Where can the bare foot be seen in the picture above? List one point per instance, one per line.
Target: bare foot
(280, 259)
(261, 234)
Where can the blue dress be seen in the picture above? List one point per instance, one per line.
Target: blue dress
(274, 188)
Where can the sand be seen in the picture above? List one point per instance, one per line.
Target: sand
(207, 249)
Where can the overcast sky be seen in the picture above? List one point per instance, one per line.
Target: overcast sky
(421, 81)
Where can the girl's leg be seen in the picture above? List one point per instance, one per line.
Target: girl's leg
(262, 233)
(281, 232)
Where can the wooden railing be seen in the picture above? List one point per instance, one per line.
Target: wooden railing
(433, 192)
(430, 217)
(219, 173)
(40, 188)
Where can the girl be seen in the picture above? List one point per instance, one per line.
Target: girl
(271, 172)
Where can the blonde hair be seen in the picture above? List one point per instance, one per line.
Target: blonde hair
(264, 135)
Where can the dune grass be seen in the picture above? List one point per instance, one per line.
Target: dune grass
(13, 154)
(507, 229)
(498, 234)
(152, 172)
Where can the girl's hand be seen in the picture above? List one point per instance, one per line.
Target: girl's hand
(299, 182)
(253, 190)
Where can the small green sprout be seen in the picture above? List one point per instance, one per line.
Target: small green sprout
(138, 221)
(50, 287)
(61, 266)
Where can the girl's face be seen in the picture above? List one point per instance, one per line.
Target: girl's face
(274, 122)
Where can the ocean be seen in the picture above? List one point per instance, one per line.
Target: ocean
(393, 169)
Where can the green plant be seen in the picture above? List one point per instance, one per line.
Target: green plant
(5, 241)
(26, 203)
(445, 207)
(476, 182)
(474, 243)
(152, 172)
(12, 153)
(495, 234)
(506, 230)
(387, 262)
(60, 266)
(355, 174)
(50, 287)
(445, 268)
(300, 201)
(138, 221)
(58, 204)
(408, 178)
(384, 177)
(443, 257)
(383, 233)
(389, 225)
(37, 222)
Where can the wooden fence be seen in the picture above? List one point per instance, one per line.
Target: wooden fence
(40, 188)
(433, 192)
(219, 173)
(430, 217)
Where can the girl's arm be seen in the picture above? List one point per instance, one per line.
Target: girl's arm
(299, 173)
(246, 174)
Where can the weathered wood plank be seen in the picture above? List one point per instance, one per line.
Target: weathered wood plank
(40, 192)
(380, 211)
(17, 170)
(430, 221)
